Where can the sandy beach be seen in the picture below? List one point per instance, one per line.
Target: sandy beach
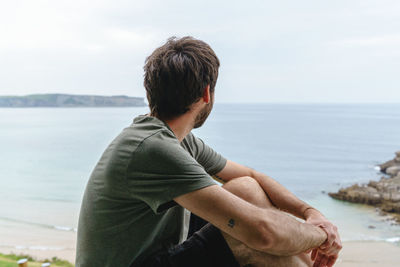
(369, 254)
(354, 253)
(40, 243)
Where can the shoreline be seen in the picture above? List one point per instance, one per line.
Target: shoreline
(40, 243)
(354, 253)
(374, 233)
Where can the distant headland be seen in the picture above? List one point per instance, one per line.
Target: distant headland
(64, 100)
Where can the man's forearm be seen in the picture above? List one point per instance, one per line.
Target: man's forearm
(289, 236)
(280, 197)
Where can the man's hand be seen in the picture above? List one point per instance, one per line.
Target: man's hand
(328, 252)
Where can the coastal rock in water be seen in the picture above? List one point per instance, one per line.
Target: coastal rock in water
(384, 194)
(393, 170)
(391, 163)
(358, 194)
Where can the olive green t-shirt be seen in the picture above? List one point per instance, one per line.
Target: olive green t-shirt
(128, 211)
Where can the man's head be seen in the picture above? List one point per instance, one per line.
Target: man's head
(177, 75)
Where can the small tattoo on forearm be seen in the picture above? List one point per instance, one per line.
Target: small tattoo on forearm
(231, 223)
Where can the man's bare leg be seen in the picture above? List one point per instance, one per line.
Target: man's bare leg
(248, 189)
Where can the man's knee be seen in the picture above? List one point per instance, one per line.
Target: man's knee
(244, 187)
(248, 189)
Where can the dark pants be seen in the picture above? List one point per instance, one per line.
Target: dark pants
(204, 247)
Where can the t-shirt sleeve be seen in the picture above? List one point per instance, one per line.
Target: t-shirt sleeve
(212, 161)
(160, 170)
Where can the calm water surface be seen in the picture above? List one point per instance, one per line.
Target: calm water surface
(47, 155)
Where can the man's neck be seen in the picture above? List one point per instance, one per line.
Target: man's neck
(182, 125)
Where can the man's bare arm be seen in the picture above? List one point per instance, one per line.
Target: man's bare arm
(266, 230)
(282, 197)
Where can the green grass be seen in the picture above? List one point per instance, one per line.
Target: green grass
(10, 260)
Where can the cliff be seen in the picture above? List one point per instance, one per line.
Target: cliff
(383, 194)
(64, 100)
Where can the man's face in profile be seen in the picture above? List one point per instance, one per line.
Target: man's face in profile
(203, 114)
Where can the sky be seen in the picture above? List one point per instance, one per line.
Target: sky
(343, 51)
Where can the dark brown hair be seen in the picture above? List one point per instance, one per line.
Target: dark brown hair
(176, 74)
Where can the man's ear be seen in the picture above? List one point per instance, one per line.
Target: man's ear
(207, 94)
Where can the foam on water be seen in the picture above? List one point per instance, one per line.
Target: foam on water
(38, 247)
(41, 225)
(65, 228)
(393, 239)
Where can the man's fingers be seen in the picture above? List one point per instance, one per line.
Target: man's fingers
(332, 260)
(323, 247)
(327, 254)
(324, 261)
(321, 260)
(331, 235)
(314, 254)
(308, 251)
(338, 245)
(317, 261)
(334, 249)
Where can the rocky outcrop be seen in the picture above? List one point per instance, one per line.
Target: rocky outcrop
(384, 194)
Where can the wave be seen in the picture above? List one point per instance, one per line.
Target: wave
(393, 239)
(65, 228)
(42, 225)
(377, 168)
(51, 199)
(39, 248)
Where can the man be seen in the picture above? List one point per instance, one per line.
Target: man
(133, 210)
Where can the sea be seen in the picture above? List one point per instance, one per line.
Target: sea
(47, 155)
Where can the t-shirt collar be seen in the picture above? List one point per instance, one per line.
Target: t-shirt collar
(148, 118)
